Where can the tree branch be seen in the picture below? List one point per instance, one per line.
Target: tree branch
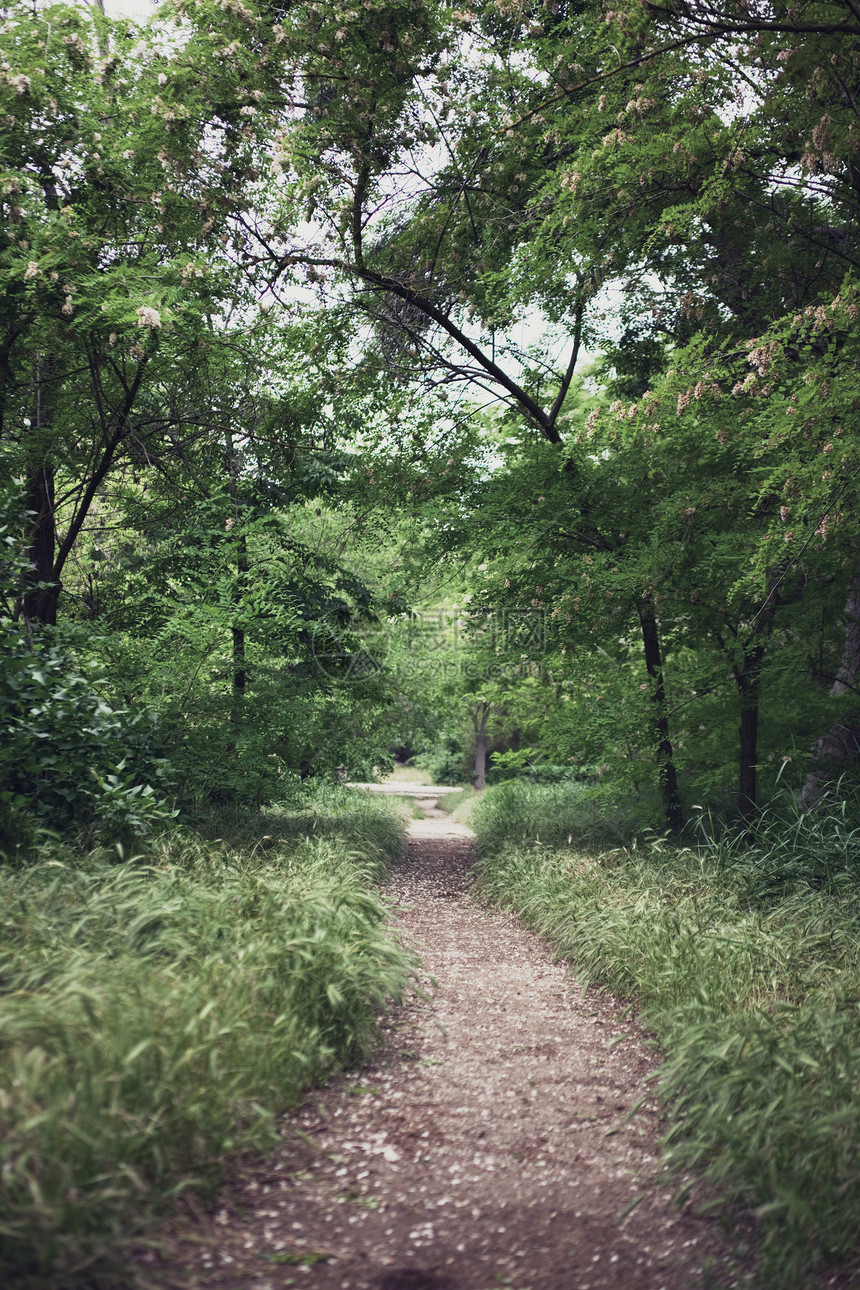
(568, 376)
(391, 285)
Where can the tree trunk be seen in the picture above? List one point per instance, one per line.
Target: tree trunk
(41, 586)
(41, 591)
(660, 720)
(840, 746)
(480, 718)
(48, 552)
(240, 674)
(748, 679)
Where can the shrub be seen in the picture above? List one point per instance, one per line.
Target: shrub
(446, 762)
(68, 762)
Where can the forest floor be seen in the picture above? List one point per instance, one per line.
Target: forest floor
(489, 1144)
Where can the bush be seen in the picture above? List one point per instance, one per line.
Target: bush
(68, 762)
(445, 762)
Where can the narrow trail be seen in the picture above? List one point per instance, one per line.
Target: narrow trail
(488, 1146)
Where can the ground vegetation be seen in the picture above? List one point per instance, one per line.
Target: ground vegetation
(391, 381)
(740, 958)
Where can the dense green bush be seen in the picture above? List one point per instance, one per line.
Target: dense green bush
(68, 761)
(156, 1016)
(446, 762)
(745, 959)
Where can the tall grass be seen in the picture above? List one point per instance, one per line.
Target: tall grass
(155, 1016)
(369, 824)
(745, 960)
(557, 814)
(460, 805)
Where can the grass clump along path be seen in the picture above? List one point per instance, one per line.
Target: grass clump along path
(745, 960)
(157, 1014)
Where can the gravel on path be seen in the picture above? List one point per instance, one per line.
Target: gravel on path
(489, 1145)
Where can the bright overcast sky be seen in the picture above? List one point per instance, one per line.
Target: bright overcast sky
(138, 9)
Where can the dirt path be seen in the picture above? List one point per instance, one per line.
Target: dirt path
(489, 1147)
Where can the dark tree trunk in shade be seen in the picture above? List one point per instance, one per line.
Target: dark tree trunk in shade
(668, 774)
(41, 584)
(748, 678)
(480, 718)
(41, 590)
(240, 674)
(48, 550)
(840, 746)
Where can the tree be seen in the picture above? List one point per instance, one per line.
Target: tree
(437, 178)
(656, 162)
(135, 381)
(108, 272)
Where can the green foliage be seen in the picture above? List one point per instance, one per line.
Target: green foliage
(445, 761)
(156, 1016)
(320, 811)
(766, 1099)
(110, 274)
(632, 364)
(70, 763)
(173, 597)
(791, 851)
(717, 204)
(560, 814)
(752, 986)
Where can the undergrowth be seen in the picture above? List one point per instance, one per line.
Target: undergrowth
(156, 1014)
(519, 810)
(370, 824)
(745, 960)
(460, 805)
